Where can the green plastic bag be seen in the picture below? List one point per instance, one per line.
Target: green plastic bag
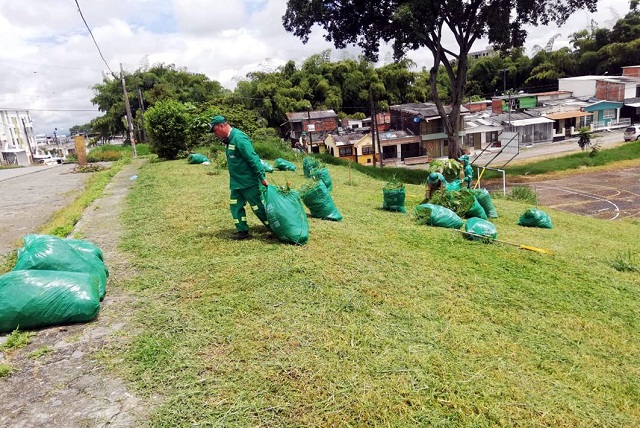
(47, 252)
(323, 174)
(453, 185)
(480, 230)
(438, 216)
(79, 244)
(197, 158)
(393, 200)
(476, 210)
(284, 165)
(320, 203)
(266, 165)
(309, 163)
(533, 217)
(39, 298)
(286, 215)
(484, 198)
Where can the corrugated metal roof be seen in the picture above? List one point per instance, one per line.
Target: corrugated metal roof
(567, 114)
(303, 115)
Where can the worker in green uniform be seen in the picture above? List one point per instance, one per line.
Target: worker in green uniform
(468, 170)
(435, 181)
(246, 173)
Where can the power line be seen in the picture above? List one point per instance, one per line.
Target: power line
(48, 65)
(94, 39)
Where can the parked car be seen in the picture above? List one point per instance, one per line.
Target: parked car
(632, 133)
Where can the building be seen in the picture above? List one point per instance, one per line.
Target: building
(17, 139)
(425, 131)
(307, 130)
(354, 146)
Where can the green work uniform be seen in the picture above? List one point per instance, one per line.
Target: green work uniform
(245, 174)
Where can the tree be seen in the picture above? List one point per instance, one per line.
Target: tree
(167, 124)
(413, 24)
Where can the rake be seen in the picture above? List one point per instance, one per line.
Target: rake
(521, 246)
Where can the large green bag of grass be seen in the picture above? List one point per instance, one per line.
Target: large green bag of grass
(534, 217)
(286, 215)
(47, 252)
(323, 175)
(284, 165)
(266, 165)
(197, 158)
(319, 201)
(453, 185)
(480, 230)
(438, 216)
(309, 163)
(39, 298)
(484, 198)
(393, 196)
(476, 210)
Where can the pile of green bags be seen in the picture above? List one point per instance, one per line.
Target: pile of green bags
(55, 281)
(284, 165)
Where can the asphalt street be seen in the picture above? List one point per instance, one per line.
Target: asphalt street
(30, 196)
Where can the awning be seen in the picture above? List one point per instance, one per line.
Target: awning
(567, 114)
(532, 121)
(633, 105)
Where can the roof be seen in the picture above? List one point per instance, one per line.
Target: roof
(305, 115)
(567, 114)
(531, 121)
(424, 110)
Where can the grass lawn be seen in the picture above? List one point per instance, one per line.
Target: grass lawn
(377, 321)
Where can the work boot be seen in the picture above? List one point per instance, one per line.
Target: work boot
(238, 236)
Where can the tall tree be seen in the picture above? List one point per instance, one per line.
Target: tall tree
(413, 24)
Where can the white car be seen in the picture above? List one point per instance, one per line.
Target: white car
(632, 133)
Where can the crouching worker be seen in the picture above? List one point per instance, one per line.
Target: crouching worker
(246, 173)
(435, 181)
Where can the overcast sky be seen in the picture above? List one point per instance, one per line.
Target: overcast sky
(48, 61)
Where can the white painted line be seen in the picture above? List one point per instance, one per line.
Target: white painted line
(616, 209)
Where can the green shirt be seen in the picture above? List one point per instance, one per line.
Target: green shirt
(245, 168)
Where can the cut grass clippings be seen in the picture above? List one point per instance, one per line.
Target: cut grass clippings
(376, 321)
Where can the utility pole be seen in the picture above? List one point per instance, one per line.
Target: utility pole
(26, 134)
(141, 101)
(129, 117)
(375, 135)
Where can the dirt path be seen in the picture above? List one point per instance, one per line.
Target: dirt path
(67, 387)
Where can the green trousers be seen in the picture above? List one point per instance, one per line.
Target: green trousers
(237, 201)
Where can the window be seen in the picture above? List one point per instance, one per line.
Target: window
(609, 113)
(367, 150)
(492, 136)
(345, 151)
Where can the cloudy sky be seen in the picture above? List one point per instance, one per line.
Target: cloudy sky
(48, 61)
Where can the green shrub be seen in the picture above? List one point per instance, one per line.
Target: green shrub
(167, 125)
(523, 194)
(628, 261)
(104, 156)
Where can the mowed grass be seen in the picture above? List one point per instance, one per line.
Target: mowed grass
(377, 321)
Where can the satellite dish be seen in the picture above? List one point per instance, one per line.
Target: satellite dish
(416, 119)
(388, 135)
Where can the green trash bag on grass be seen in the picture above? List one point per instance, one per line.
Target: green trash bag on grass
(480, 230)
(533, 217)
(197, 158)
(284, 165)
(48, 252)
(319, 201)
(476, 210)
(286, 215)
(323, 175)
(266, 165)
(393, 200)
(438, 216)
(309, 163)
(484, 198)
(40, 298)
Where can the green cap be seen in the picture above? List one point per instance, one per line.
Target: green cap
(432, 178)
(217, 120)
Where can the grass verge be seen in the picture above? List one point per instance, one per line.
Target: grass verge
(377, 320)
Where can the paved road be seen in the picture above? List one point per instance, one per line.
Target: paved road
(30, 196)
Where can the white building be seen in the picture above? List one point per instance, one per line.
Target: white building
(17, 140)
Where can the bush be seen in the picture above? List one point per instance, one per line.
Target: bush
(523, 194)
(167, 124)
(104, 156)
